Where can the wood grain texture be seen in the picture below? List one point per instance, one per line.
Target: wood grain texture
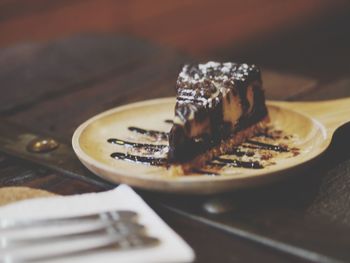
(213, 246)
(59, 69)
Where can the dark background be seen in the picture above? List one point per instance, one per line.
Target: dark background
(298, 36)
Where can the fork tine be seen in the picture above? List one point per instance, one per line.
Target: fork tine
(123, 215)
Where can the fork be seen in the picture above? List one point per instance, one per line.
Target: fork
(122, 215)
(110, 228)
(116, 243)
(118, 230)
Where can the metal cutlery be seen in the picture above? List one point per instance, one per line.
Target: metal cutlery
(106, 231)
(112, 228)
(122, 215)
(115, 243)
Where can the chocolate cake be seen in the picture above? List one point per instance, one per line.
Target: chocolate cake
(218, 106)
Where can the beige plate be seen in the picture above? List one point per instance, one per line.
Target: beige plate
(312, 123)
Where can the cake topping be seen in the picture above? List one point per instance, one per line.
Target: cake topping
(205, 86)
(215, 71)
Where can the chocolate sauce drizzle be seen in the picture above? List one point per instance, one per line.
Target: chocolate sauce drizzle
(239, 152)
(139, 159)
(267, 146)
(136, 144)
(217, 162)
(237, 163)
(151, 133)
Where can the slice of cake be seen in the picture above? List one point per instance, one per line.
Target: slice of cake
(218, 106)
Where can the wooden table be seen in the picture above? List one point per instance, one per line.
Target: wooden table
(53, 87)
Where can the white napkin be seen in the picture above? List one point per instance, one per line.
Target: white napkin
(170, 249)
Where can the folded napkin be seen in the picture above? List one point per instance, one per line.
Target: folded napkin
(170, 249)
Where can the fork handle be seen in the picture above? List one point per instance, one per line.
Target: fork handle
(113, 228)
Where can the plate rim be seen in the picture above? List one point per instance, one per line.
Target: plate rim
(185, 179)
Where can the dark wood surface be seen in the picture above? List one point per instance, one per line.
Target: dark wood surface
(53, 86)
